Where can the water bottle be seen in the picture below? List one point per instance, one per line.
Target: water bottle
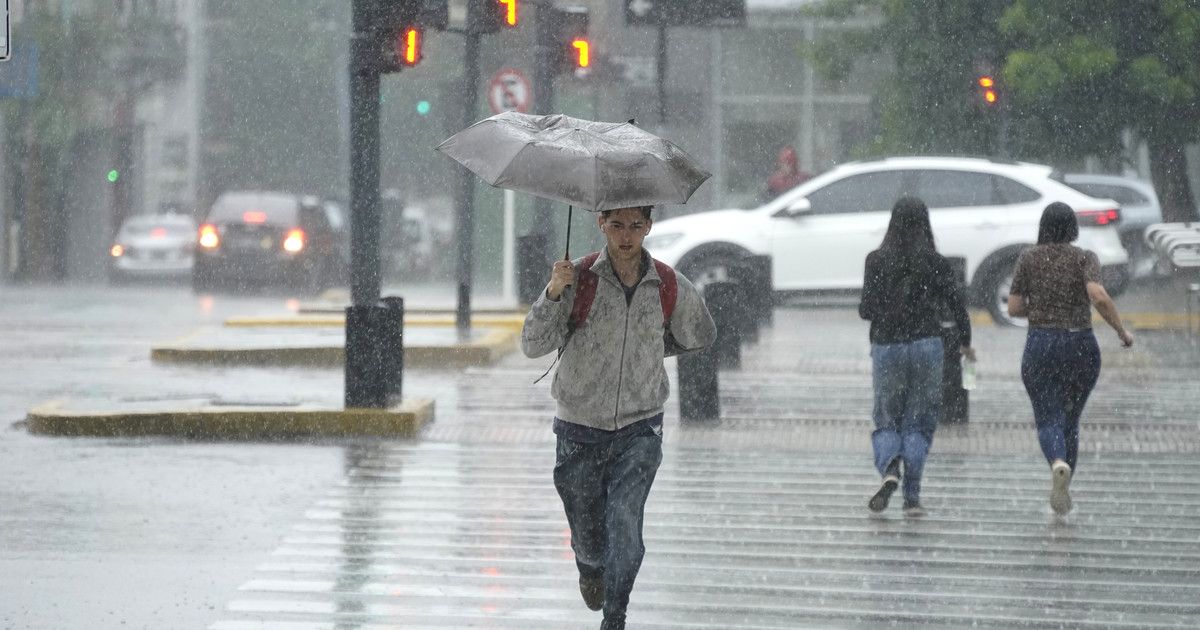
(968, 373)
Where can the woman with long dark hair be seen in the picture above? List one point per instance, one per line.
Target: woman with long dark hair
(907, 290)
(1055, 285)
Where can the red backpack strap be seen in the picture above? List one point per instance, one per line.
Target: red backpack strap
(668, 289)
(585, 291)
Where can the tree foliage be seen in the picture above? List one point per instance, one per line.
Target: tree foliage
(1083, 71)
(1075, 76)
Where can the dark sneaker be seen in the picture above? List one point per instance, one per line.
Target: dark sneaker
(879, 502)
(592, 589)
(613, 622)
(913, 508)
(1060, 486)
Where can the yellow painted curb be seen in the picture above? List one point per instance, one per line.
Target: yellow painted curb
(234, 423)
(1136, 321)
(514, 321)
(490, 348)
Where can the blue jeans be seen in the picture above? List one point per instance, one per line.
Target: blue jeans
(603, 489)
(907, 380)
(1059, 369)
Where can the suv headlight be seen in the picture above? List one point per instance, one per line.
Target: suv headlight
(662, 241)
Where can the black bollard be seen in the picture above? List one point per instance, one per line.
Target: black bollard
(699, 397)
(761, 286)
(392, 341)
(727, 303)
(365, 384)
(955, 399)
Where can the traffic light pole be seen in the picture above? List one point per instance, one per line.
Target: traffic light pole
(464, 193)
(543, 103)
(662, 74)
(364, 378)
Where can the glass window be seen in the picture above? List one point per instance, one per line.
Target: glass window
(274, 209)
(1120, 194)
(1010, 192)
(954, 189)
(868, 192)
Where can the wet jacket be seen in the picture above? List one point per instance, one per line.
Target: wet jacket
(906, 304)
(611, 372)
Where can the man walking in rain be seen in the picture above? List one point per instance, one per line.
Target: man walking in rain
(614, 315)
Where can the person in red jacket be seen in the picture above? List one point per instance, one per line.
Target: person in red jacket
(787, 174)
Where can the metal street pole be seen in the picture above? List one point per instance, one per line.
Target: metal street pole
(662, 74)
(464, 193)
(364, 158)
(364, 387)
(536, 255)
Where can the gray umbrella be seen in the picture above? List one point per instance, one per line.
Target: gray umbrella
(594, 165)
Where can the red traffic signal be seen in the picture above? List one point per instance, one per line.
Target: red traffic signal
(408, 46)
(987, 89)
(508, 12)
(582, 52)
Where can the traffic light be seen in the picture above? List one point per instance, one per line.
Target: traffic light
(566, 34)
(509, 12)
(408, 46)
(400, 34)
(988, 95)
(489, 16)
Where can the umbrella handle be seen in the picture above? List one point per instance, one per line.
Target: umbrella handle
(567, 253)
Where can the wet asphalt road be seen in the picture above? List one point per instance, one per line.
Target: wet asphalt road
(756, 523)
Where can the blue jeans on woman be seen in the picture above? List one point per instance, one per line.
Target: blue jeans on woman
(1059, 369)
(604, 487)
(907, 380)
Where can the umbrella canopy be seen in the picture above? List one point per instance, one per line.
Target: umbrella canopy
(593, 165)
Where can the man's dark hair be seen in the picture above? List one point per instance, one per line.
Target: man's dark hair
(1058, 224)
(645, 212)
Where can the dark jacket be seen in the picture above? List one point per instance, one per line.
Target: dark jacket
(908, 300)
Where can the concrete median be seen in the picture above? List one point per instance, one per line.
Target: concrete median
(208, 419)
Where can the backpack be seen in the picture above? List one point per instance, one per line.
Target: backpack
(585, 291)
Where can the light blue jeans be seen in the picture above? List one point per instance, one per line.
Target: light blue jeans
(907, 381)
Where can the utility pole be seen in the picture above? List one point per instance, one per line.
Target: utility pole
(364, 354)
(464, 193)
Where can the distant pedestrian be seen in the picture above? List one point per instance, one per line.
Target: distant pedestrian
(908, 288)
(1054, 285)
(787, 174)
(613, 316)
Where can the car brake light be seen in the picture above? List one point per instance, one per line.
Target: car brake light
(158, 232)
(117, 251)
(208, 236)
(1110, 216)
(254, 216)
(294, 241)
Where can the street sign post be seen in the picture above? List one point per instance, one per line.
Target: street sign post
(509, 91)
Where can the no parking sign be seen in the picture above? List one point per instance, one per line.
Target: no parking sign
(509, 91)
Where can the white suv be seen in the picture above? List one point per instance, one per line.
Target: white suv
(819, 233)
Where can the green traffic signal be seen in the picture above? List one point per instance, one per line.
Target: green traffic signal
(423, 107)
(113, 176)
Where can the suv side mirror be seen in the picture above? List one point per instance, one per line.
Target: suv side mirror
(798, 208)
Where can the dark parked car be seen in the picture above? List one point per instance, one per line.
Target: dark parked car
(267, 238)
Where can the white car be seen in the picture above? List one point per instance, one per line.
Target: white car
(1139, 204)
(819, 233)
(153, 246)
